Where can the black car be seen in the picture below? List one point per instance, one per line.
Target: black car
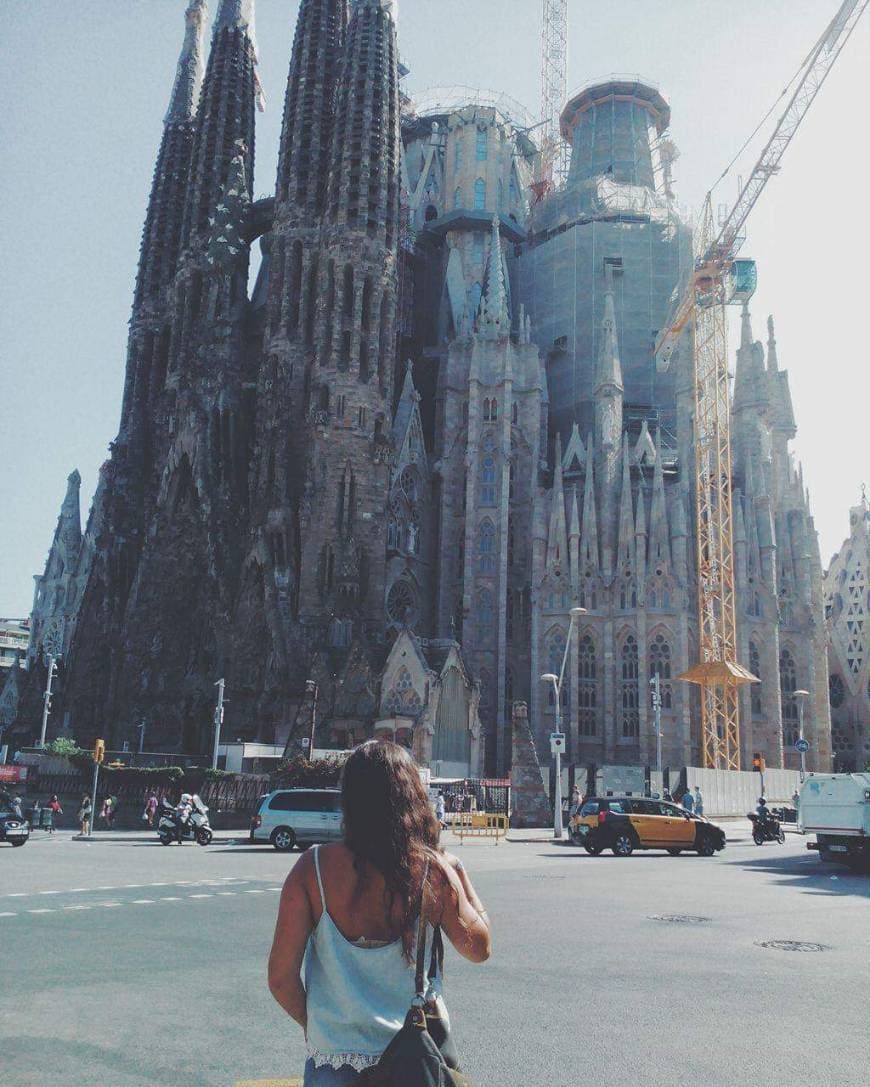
(13, 828)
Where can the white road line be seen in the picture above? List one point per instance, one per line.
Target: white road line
(143, 902)
(200, 896)
(273, 888)
(7, 914)
(170, 898)
(157, 884)
(40, 911)
(133, 886)
(81, 906)
(108, 905)
(17, 894)
(227, 894)
(253, 891)
(51, 892)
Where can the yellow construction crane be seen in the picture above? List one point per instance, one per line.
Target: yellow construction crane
(718, 278)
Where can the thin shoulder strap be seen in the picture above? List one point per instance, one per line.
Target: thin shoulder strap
(420, 977)
(316, 852)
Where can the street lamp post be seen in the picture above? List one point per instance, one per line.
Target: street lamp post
(311, 688)
(46, 698)
(656, 685)
(556, 745)
(141, 735)
(218, 721)
(800, 696)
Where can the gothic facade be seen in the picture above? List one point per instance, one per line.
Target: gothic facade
(433, 428)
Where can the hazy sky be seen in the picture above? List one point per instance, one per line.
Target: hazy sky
(85, 86)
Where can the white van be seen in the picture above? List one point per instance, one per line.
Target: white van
(288, 817)
(836, 808)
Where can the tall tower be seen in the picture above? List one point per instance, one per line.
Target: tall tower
(343, 508)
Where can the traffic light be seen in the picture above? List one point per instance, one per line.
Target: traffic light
(99, 750)
(758, 762)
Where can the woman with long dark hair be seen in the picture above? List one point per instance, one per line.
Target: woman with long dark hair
(351, 909)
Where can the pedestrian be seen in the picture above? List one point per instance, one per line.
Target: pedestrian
(84, 816)
(796, 800)
(699, 801)
(15, 805)
(35, 814)
(106, 813)
(342, 900)
(576, 802)
(440, 808)
(55, 809)
(150, 809)
(688, 801)
(113, 811)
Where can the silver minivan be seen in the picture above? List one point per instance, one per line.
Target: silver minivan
(288, 817)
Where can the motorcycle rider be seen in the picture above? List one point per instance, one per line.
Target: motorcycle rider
(183, 809)
(764, 817)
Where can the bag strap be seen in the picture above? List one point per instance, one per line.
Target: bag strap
(436, 958)
(420, 979)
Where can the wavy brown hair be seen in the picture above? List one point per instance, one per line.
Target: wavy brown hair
(389, 823)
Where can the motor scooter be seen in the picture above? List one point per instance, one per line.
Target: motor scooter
(765, 830)
(172, 827)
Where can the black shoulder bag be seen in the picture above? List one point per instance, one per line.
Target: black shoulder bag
(423, 1053)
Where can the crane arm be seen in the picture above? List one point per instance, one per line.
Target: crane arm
(721, 252)
(815, 70)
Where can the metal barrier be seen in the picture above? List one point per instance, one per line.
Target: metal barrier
(474, 824)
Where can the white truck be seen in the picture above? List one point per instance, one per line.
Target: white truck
(836, 808)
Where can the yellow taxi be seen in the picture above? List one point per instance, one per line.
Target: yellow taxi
(625, 823)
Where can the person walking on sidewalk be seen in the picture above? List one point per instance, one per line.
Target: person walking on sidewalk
(699, 801)
(106, 813)
(150, 809)
(54, 810)
(688, 801)
(85, 816)
(349, 912)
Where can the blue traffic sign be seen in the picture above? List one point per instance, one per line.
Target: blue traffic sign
(802, 745)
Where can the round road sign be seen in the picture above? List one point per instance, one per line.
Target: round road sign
(802, 745)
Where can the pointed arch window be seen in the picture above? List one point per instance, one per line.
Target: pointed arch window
(755, 688)
(457, 197)
(587, 687)
(477, 247)
(515, 412)
(787, 687)
(660, 665)
(628, 689)
(457, 151)
(486, 548)
(588, 594)
(392, 534)
(487, 481)
(480, 146)
(479, 194)
(485, 614)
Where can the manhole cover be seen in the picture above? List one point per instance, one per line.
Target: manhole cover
(680, 918)
(793, 945)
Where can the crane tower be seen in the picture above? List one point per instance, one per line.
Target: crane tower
(554, 88)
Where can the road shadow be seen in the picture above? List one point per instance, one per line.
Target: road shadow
(808, 874)
(646, 855)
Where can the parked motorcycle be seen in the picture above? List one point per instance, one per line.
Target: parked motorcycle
(765, 830)
(173, 826)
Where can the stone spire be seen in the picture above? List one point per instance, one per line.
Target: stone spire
(608, 377)
(659, 537)
(557, 539)
(226, 114)
(306, 134)
(640, 533)
(191, 66)
(745, 327)
(69, 524)
(494, 319)
(772, 361)
(625, 540)
(589, 558)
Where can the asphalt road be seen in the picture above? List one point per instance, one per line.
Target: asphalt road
(128, 964)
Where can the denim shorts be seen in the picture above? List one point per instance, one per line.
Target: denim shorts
(325, 1076)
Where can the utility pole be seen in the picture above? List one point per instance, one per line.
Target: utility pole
(557, 738)
(46, 703)
(141, 735)
(800, 697)
(218, 721)
(311, 688)
(656, 685)
(99, 755)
